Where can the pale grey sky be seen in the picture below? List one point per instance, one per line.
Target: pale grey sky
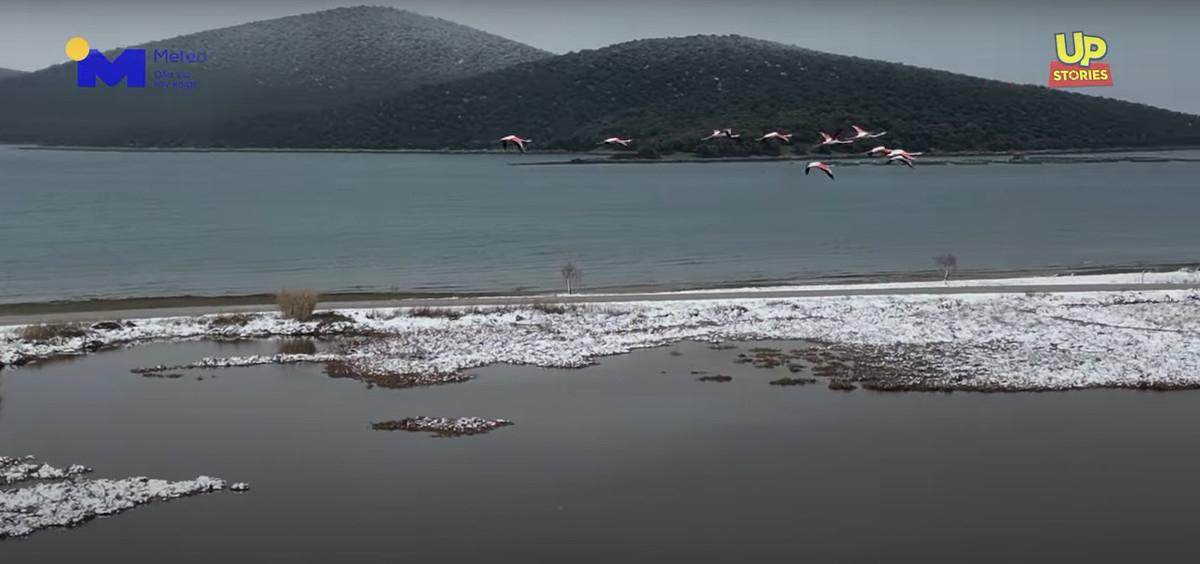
(1150, 41)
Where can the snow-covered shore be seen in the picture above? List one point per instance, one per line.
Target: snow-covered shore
(62, 498)
(971, 341)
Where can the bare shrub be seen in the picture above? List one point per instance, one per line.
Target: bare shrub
(297, 304)
(570, 275)
(51, 331)
(948, 264)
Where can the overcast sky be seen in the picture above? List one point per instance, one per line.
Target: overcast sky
(1150, 45)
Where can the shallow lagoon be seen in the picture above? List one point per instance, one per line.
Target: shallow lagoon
(615, 462)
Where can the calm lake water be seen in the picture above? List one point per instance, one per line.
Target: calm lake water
(613, 463)
(96, 224)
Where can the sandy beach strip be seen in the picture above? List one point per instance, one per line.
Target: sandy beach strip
(90, 312)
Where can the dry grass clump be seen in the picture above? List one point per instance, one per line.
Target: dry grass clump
(297, 304)
(51, 331)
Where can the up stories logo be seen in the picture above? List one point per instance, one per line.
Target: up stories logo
(1075, 65)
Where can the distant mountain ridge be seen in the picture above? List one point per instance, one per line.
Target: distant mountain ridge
(306, 61)
(667, 93)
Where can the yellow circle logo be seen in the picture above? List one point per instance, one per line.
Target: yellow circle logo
(77, 49)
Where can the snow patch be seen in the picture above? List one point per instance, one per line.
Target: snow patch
(67, 500)
(443, 426)
(26, 468)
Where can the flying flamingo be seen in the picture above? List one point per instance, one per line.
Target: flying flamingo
(860, 133)
(616, 141)
(826, 139)
(820, 166)
(727, 133)
(777, 135)
(515, 140)
(901, 159)
(886, 152)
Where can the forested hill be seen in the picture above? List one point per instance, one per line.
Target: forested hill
(306, 61)
(8, 73)
(666, 93)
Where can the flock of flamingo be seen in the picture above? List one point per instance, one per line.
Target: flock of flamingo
(891, 155)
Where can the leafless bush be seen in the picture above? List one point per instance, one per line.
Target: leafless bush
(297, 304)
(948, 264)
(570, 275)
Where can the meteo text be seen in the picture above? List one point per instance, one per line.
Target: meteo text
(175, 56)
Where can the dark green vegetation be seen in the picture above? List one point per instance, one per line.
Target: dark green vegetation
(9, 73)
(667, 93)
(307, 61)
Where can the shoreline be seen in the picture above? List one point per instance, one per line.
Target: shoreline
(105, 308)
(576, 300)
(592, 154)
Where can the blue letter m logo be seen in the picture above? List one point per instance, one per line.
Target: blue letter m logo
(130, 65)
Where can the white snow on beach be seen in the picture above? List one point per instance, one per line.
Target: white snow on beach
(61, 498)
(1010, 341)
